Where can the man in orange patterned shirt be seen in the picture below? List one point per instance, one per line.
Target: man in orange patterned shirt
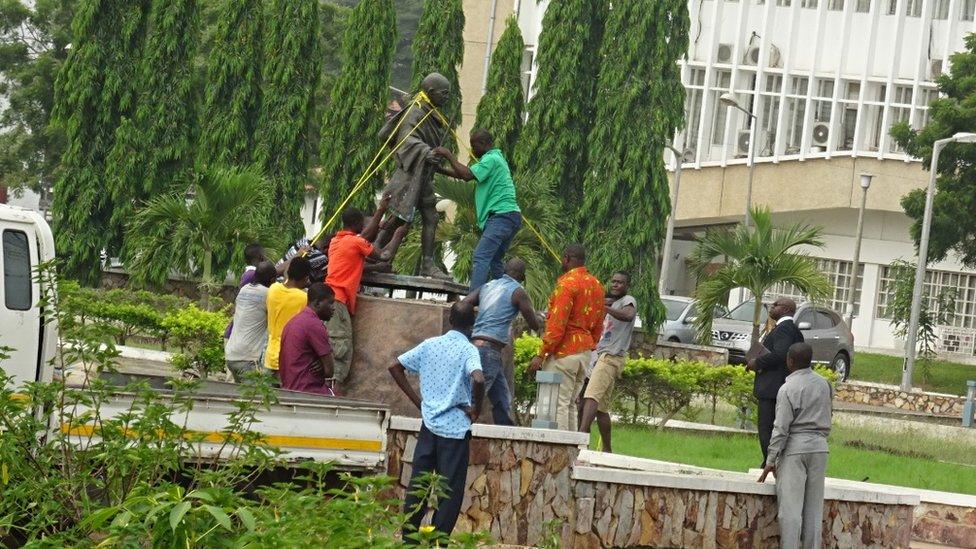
(573, 328)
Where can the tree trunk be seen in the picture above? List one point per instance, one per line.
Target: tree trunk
(755, 317)
(207, 275)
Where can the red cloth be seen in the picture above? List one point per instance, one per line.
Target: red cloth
(575, 321)
(304, 339)
(347, 257)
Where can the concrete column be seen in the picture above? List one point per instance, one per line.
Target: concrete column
(864, 322)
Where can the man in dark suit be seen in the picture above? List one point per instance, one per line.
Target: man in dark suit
(770, 368)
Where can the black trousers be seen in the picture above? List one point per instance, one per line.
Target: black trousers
(448, 457)
(767, 414)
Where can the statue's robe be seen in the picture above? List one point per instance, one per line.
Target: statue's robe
(412, 181)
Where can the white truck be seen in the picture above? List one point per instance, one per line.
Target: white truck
(349, 433)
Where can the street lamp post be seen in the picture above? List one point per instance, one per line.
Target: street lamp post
(865, 185)
(728, 99)
(923, 254)
(666, 251)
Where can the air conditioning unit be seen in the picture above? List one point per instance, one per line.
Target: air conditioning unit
(752, 56)
(820, 134)
(742, 142)
(935, 68)
(724, 54)
(687, 155)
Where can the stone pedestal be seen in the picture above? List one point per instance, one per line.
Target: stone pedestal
(382, 330)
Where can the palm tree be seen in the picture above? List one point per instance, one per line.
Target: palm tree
(756, 259)
(460, 235)
(224, 208)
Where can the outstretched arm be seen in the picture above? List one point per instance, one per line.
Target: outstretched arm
(624, 315)
(521, 300)
(369, 233)
(457, 169)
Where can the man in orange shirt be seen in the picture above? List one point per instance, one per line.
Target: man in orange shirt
(573, 328)
(348, 252)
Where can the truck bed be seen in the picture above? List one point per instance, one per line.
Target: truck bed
(350, 433)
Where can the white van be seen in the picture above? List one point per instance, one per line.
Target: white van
(25, 242)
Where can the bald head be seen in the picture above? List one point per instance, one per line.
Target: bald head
(515, 268)
(574, 256)
(437, 88)
(783, 306)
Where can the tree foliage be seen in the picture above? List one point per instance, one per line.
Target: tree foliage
(551, 154)
(438, 46)
(626, 196)
(953, 223)
(232, 101)
(33, 46)
(154, 149)
(93, 91)
(226, 207)
(351, 123)
(292, 71)
(501, 110)
(756, 258)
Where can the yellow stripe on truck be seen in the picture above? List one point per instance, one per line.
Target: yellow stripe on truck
(280, 441)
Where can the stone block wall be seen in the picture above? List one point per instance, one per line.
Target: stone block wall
(646, 344)
(891, 396)
(945, 524)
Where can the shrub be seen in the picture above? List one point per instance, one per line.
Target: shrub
(199, 335)
(526, 347)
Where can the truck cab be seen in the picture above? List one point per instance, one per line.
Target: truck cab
(27, 335)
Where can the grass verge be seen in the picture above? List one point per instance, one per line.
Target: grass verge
(944, 377)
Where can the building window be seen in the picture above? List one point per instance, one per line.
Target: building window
(16, 271)
(836, 5)
(722, 83)
(901, 111)
(913, 8)
(809, 4)
(863, 6)
(839, 274)
(940, 9)
(784, 3)
(935, 283)
(528, 57)
(968, 9)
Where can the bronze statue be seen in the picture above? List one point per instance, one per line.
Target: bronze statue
(411, 187)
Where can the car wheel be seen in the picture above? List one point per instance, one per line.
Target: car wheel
(841, 365)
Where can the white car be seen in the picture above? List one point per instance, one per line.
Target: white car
(680, 314)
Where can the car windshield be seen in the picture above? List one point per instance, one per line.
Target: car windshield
(744, 312)
(673, 308)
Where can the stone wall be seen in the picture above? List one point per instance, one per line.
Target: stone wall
(890, 396)
(645, 344)
(525, 486)
(946, 524)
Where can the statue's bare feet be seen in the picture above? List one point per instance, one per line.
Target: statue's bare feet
(430, 269)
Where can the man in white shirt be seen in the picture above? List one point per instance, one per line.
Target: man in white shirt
(244, 348)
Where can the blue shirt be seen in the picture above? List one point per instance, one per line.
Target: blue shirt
(445, 365)
(495, 309)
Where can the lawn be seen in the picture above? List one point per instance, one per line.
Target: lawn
(945, 377)
(741, 452)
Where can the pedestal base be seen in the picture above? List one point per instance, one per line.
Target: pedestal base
(418, 284)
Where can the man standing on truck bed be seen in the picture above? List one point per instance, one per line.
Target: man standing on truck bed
(305, 362)
(284, 302)
(452, 388)
(245, 347)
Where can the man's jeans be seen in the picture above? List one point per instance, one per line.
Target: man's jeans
(496, 385)
(497, 236)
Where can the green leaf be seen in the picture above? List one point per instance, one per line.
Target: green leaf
(176, 515)
(219, 515)
(247, 518)
(199, 494)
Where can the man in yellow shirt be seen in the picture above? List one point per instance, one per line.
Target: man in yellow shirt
(284, 302)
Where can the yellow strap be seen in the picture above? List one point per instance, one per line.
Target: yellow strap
(541, 239)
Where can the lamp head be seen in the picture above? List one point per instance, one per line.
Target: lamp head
(866, 180)
(964, 137)
(728, 99)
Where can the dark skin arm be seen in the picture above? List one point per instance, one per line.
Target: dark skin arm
(400, 376)
(766, 470)
(457, 169)
(521, 300)
(626, 314)
(325, 366)
(477, 395)
(369, 233)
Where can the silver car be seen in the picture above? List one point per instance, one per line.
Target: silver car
(679, 323)
(823, 329)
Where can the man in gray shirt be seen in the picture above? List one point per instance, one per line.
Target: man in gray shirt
(798, 450)
(611, 351)
(244, 347)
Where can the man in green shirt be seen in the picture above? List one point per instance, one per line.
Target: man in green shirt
(494, 198)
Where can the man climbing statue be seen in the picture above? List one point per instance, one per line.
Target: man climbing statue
(415, 132)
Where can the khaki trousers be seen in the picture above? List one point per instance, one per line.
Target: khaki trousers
(573, 369)
(340, 337)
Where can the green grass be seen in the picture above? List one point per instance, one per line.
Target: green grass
(946, 377)
(741, 452)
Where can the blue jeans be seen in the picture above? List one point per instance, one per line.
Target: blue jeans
(495, 239)
(496, 385)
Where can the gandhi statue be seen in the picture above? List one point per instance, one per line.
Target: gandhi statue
(411, 187)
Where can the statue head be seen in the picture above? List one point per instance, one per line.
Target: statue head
(437, 88)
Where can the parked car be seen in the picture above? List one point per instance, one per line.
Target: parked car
(823, 328)
(680, 314)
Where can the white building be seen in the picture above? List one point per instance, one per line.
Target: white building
(826, 79)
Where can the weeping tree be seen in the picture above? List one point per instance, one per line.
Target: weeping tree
(93, 92)
(292, 70)
(625, 192)
(755, 258)
(438, 46)
(501, 110)
(551, 152)
(232, 98)
(154, 149)
(358, 102)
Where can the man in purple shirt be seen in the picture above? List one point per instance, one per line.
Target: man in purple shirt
(305, 362)
(253, 254)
